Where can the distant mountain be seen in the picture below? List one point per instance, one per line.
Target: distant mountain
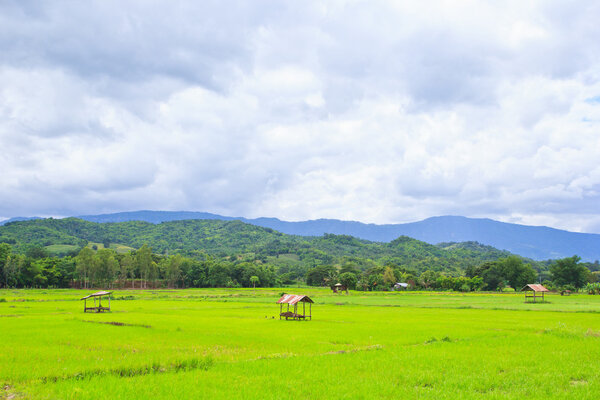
(15, 219)
(238, 240)
(536, 242)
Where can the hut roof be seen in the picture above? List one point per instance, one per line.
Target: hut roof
(535, 287)
(293, 299)
(338, 284)
(97, 294)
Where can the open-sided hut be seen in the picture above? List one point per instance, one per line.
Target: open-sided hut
(338, 288)
(96, 308)
(536, 289)
(293, 300)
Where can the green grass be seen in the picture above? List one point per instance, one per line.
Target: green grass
(119, 248)
(229, 343)
(60, 248)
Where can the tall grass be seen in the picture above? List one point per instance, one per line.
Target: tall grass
(229, 343)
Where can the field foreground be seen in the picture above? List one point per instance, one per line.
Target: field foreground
(229, 343)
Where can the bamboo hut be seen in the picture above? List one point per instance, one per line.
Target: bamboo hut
(97, 308)
(294, 313)
(535, 288)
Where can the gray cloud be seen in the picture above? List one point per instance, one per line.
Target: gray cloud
(372, 111)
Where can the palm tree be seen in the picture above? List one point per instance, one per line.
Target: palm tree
(254, 280)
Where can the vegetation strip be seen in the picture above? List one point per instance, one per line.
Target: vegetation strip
(203, 364)
(115, 323)
(356, 350)
(75, 253)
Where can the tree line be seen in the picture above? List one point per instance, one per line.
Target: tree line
(511, 271)
(143, 268)
(140, 268)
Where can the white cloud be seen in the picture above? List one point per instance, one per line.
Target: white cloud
(373, 111)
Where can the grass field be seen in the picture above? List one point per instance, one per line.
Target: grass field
(119, 248)
(229, 343)
(60, 248)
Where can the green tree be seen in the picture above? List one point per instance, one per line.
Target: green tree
(83, 263)
(106, 266)
(568, 271)
(12, 270)
(476, 283)
(322, 275)
(388, 276)
(349, 280)
(516, 273)
(40, 281)
(5, 252)
(36, 252)
(375, 281)
(254, 280)
(128, 268)
(143, 260)
(428, 278)
(173, 272)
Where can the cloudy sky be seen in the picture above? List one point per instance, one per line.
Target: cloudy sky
(376, 111)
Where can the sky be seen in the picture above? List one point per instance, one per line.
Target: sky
(374, 111)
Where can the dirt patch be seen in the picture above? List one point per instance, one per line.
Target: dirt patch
(7, 394)
(126, 372)
(356, 349)
(115, 323)
(578, 382)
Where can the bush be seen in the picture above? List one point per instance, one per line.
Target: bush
(2, 300)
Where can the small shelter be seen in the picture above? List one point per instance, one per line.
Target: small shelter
(338, 288)
(96, 308)
(293, 300)
(535, 288)
(401, 286)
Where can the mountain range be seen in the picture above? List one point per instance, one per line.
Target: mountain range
(535, 242)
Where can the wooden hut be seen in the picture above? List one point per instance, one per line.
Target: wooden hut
(96, 308)
(535, 288)
(293, 300)
(338, 288)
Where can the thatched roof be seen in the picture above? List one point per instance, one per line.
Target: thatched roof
(535, 287)
(293, 299)
(97, 294)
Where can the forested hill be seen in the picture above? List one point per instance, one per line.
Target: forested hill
(536, 242)
(237, 239)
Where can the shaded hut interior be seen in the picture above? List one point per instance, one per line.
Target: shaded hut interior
(293, 310)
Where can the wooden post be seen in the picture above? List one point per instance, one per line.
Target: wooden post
(84, 305)
(304, 309)
(280, 309)
(109, 302)
(310, 311)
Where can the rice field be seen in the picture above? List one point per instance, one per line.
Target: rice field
(230, 343)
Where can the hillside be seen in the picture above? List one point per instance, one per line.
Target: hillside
(535, 242)
(235, 238)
